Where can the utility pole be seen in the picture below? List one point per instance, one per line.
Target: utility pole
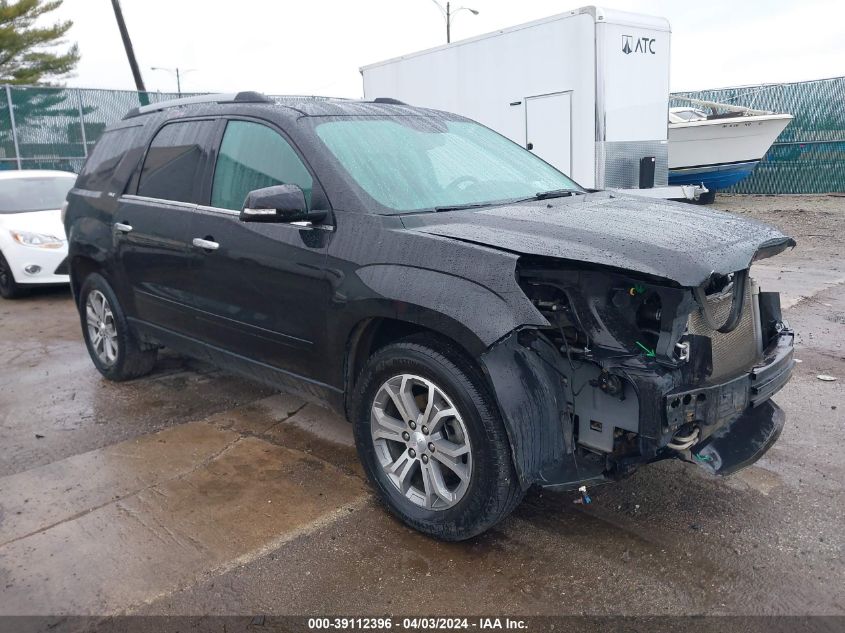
(178, 72)
(127, 44)
(447, 15)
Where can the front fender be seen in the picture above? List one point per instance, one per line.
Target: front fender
(463, 310)
(531, 390)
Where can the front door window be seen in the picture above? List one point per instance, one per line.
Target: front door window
(252, 156)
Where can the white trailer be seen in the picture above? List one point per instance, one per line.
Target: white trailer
(587, 90)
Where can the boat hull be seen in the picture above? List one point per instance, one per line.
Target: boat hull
(713, 177)
(721, 152)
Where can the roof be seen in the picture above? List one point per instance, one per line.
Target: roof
(13, 174)
(294, 104)
(329, 106)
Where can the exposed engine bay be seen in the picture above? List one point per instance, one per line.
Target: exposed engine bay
(650, 370)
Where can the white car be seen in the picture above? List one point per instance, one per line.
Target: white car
(33, 246)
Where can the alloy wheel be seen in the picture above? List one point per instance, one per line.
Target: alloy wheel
(101, 328)
(421, 442)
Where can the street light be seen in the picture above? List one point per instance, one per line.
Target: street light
(448, 13)
(178, 72)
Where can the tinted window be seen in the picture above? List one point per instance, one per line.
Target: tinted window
(106, 156)
(253, 156)
(174, 161)
(34, 194)
(414, 163)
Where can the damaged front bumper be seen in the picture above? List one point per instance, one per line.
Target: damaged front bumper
(538, 390)
(741, 442)
(738, 422)
(713, 405)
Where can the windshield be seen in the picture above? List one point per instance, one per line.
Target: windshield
(18, 195)
(416, 163)
(689, 114)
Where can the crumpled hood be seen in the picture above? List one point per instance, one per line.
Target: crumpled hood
(684, 243)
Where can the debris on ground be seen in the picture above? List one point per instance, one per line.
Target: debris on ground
(826, 377)
(585, 498)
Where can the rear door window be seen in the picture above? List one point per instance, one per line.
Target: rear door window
(253, 156)
(175, 161)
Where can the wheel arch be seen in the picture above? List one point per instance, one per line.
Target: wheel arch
(82, 266)
(523, 378)
(372, 333)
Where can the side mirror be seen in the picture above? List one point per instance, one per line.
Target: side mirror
(280, 203)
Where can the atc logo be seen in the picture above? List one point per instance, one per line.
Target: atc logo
(644, 45)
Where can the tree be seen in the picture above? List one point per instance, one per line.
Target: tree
(27, 51)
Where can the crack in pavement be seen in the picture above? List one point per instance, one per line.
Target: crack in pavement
(246, 558)
(285, 419)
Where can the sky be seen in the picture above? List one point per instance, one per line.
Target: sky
(317, 46)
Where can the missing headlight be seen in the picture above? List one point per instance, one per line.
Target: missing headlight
(648, 318)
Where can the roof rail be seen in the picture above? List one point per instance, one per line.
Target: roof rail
(389, 100)
(228, 97)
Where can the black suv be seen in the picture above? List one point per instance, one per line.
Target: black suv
(485, 323)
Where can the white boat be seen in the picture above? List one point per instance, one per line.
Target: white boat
(718, 149)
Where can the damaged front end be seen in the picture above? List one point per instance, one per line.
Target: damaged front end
(633, 369)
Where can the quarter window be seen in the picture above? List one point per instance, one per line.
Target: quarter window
(252, 156)
(106, 156)
(175, 160)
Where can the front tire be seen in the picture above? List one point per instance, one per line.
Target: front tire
(111, 344)
(431, 440)
(9, 288)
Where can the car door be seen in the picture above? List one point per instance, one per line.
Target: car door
(262, 288)
(548, 128)
(152, 226)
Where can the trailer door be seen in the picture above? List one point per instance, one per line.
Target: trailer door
(548, 128)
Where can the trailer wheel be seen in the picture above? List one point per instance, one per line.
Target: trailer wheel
(707, 198)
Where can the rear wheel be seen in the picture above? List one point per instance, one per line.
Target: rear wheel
(9, 288)
(431, 440)
(112, 346)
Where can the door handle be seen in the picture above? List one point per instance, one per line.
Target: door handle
(205, 244)
(123, 228)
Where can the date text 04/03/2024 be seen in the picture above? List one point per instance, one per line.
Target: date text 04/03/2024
(421, 623)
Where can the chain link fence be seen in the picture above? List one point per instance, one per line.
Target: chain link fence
(55, 128)
(809, 155)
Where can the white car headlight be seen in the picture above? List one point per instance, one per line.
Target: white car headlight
(36, 240)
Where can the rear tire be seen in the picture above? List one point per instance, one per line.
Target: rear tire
(9, 288)
(466, 484)
(111, 344)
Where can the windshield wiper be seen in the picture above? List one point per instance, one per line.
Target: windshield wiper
(555, 193)
(543, 195)
(460, 207)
